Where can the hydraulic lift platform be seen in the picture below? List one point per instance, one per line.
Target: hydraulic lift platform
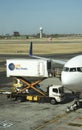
(31, 85)
(20, 92)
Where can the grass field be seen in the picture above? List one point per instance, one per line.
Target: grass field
(40, 46)
(64, 45)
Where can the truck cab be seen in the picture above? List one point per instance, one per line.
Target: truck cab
(56, 93)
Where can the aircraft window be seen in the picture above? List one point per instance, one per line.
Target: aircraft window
(72, 69)
(65, 69)
(79, 69)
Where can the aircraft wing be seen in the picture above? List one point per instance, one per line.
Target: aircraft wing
(50, 59)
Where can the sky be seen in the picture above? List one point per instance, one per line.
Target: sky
(54, 16)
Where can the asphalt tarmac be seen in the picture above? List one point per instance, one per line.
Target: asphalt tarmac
(39, 116)
(36, 116)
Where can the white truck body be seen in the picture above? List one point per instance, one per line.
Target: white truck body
(27, 67)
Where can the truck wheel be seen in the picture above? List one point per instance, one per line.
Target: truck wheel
(19, 99)
(53, 101)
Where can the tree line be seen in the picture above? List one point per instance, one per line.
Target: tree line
(17, 34)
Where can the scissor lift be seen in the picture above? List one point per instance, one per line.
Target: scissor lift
(22, 93)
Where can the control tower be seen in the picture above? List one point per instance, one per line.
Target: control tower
(41, 32)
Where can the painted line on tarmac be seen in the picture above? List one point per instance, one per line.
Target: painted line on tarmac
(56, 119)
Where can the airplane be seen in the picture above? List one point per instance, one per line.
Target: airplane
(71, 75)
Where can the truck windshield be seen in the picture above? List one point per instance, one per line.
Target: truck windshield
(61, 90)
(55, 90)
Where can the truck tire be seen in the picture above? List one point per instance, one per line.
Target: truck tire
(19, 99)
(53, 101)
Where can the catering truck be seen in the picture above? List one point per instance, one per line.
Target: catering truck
(28, 68)
(21, 70)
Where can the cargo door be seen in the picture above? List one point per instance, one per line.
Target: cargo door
(41, 69)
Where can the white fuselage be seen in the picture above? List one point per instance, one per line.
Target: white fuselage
(72, 74)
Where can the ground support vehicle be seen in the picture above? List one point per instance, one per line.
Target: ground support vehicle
(24, 90)
(32, 69)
